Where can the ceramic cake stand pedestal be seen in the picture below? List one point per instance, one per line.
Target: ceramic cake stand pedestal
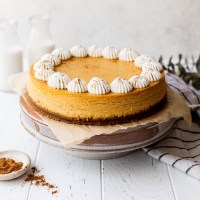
(98, 147)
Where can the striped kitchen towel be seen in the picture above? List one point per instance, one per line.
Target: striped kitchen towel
(181, 148)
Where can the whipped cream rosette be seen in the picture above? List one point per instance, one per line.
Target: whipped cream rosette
(58, 80)
(140, 60)
(128, 55)
(43, 64)
(43, 74)
(94, 51)
(151, 75)
(98, 86)
(139, 81)
(121, 85)
(77, 85)
(55, 60)
(110, 53)
(152, 65)
(79, 51)
(62, 54)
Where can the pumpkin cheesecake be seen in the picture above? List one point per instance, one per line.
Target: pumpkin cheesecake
(96, 86)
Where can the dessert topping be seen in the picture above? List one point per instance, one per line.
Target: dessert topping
(43, 74)
(58, 80)
(78, 51)
(128, 55)
(152, 65)
(62, 54)
(139, 81)
(94, 51)
(110, 53)
(151, 75)
(43, 64)
(77, 85)
(121, 85)
(55, 60)
(140, 60)
(98, 86)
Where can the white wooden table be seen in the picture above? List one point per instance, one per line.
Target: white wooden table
(136, 176)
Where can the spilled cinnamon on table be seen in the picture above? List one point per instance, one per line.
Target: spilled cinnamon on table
(8, 165)
(39, 180)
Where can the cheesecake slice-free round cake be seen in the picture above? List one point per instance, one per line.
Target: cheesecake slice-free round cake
(96, 86)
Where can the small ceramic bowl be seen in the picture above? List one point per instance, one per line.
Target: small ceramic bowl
(18, 156)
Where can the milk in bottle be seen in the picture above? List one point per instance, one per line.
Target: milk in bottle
(10, 52)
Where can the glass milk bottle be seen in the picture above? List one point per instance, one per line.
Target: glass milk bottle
(40, 40)
(10, 52)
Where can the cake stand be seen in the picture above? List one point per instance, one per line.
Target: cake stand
(98, 147)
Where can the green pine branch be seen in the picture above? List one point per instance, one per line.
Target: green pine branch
(190, 73)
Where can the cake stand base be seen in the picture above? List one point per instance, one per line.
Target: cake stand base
(102, 146)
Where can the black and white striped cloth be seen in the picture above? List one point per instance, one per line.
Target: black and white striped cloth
(181, 148)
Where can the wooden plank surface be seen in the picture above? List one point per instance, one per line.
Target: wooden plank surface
(76, 178)
(136, 176)
(13, 136)
(185, 187)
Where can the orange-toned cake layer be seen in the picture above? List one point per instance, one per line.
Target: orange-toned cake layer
(86, 108)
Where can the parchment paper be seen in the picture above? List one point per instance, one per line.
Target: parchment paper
(70, 134)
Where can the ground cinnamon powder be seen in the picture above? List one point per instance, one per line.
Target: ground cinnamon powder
(39, 180)
(8, 165)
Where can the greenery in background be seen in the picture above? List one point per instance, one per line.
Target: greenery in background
(189, 72)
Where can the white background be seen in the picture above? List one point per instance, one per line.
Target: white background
(153, 27)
